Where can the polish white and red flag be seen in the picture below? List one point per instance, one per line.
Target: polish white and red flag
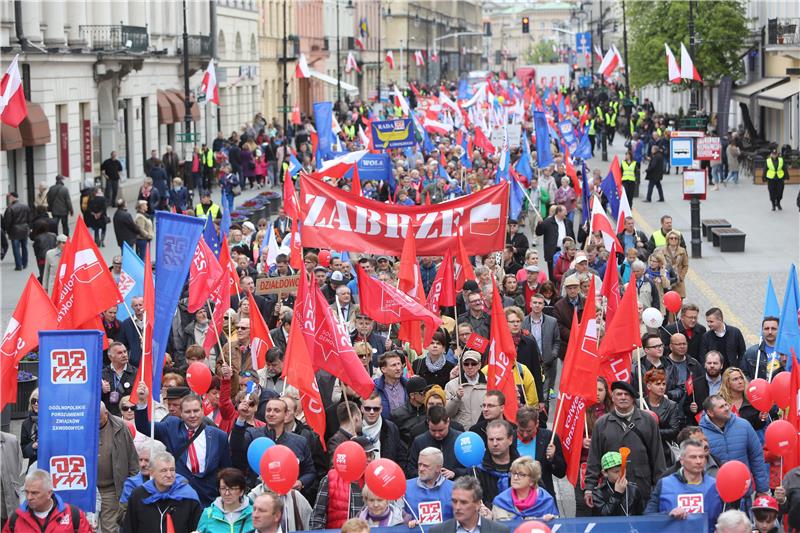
(688, 70)
(672, 66)
(351, 64)
(419, 59)
(610, 62)
(209, 85)
(13, 108)
(302, 70)
(390, 59)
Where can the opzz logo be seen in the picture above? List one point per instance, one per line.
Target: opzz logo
(69, 472)
(174, 251)
(68, 367)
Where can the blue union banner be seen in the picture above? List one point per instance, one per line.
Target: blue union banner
(397, 133)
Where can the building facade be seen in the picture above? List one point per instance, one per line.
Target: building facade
(276, 23)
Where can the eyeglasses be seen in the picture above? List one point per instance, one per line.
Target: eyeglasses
(126, 408)
(471, 363)
(243, 327)
(229, 490)
(655, 346)
(519, 474)
(370, 409)
(489, 405)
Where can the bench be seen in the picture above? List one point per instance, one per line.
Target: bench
(728, 239)
(708, 224)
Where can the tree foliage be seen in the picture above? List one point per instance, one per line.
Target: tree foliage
(542, 52)
(720, 38)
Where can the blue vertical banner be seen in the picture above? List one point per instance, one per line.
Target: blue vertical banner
(323, 121)
(176, 240)
(544, 155)
(70, 365)
(131, 279)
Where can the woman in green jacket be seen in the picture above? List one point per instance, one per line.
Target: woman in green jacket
(232, 511)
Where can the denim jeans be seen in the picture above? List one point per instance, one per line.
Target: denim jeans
(733, 177)
(716, 173)
(20, 249)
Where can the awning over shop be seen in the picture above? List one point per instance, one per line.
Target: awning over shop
(346, 87)
(195, 106)
(176, 104)
(35, 129)
(744, 92)
(10, 138)
(164, 108)
(776, 97)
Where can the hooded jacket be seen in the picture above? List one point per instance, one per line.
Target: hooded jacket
(737, 440)
(213, 518)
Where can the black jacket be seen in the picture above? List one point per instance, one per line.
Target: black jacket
(655, 170)
(405, 418)
(731, 345)
(16, 221)
(608, 502)
(58, 200)
(125, 228)
(548, 229)
(440, 377)
(557, 466)
(447, 447)
(695, 343)
(124, 387)
(528, 354)
(494, 478)
(520, 243)
(146, 518)
(29, 433)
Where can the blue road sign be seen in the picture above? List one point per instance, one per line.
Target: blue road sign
(583, 42)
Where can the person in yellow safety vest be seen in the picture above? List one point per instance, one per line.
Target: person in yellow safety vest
(349, 130)
(774, 175)
(206, 206)
(630, 175)
(207, 163)
(398, 111)
(592, 132)
(611, 124)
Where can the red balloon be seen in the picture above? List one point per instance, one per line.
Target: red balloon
(781, 438)
(759, 395)
(350, 460)
(780, 388)
(324, 257)
(672, 301)
(198, 376)
(533, 526)
(279, 468)
(733, 480)
(386, 479)
(132, 429)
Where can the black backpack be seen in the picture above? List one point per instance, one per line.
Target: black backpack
(74, 514)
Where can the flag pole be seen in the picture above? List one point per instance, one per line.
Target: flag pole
(214, 325)
(130, 314)
(230, 347)
(758, 356)
(639, 372)
(522, 383)
(344, 399)
(150, 400)
(558, 417)
(458, 344)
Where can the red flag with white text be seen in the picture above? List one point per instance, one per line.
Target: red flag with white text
(570, 429)
(443, 290)
(463, 267)
(582, 363)
(502, 358)
(204, 272)
(621, 337)
(260, 339)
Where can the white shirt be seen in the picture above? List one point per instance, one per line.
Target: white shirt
(562, 232)
(200, 449)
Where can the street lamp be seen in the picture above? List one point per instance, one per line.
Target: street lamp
(338, 55)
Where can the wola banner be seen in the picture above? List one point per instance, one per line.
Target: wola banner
(335, 219)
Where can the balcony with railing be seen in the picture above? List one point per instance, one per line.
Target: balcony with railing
(783, 33)
(199, 46)
(115, 38)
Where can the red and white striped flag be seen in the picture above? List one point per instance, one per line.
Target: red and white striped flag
(610, 62)
(419, 58)
(302, 70)
(672, 66)
(359, 43)
(13, 108)
(390, 59)
(209, 84)
(688, 70)
(351, 64)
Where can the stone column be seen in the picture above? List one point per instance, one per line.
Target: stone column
(32, 20)
(54, 15)
(76, 17)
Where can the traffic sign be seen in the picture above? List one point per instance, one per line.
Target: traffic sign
(687, 133)
(188, 137)
(681, 152)
(709, 148)
(583, 42)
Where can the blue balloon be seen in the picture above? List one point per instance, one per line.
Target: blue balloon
(469, 449)
(256, 451)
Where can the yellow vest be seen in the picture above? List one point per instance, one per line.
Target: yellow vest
(208, 160)
(611, 119)
(214, 210)
(659, 238)
(771, 172)
(628, 171)
(591, 127)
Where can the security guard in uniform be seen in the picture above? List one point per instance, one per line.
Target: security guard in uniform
(206, 206)
(774, 175)
(630, 173)
(611, 120)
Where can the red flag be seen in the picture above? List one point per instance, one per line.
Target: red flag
(569, 429)
(582, 364)
(415, 90)
(12, 96)
(386, 304)
(355, 187)
(610, 287)
(622, 336)
(443, 290)
(476, 342)
(34, 312)
(463, 268)
(260, 339)
(482, 142)
(410, 282)
(146, 374)
(689, 385)
(299, 373)
(617, 172)
(220, 298)
(289, 196)
(573, 174)
(793, 416)
(503, 359)
(204, 272)
(87, 287)
(296, 247)
(327, 339)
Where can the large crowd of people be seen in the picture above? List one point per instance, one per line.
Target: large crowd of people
(193, 474)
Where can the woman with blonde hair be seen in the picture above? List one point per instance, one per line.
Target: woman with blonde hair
(732, 389)
(524, 498)
(677, 258)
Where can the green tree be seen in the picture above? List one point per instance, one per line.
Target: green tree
(542, 52)
(720, 33)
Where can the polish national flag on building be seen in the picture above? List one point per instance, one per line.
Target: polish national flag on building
(359, 42)
(419, 59)
(302, 70)
(209, 85)
(672, 66)
(390, 59)
(610, 62)
(351, 64)
(13, 108)
(688, 70)
(434, 57)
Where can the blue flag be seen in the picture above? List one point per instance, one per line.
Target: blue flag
(210, 235)
(131, 280)
(610, 191)
(503, 167)
(771, 306)
(523, 166)
(70, 366)
(323, 121)
(464, 90)
(585, 192)
(584, 150)
(225, 223)
(788, 330)
(516, 198)
(543, 153)
(466, 157)
(176, 240)
(294, 165)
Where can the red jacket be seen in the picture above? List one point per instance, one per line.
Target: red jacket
(58, 521)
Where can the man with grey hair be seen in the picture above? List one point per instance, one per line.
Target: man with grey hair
(116, 462)
(144, 450)
(689, 490)
(467, 503)
(163, 499)
(428, 495)
(645, 288)
(42, 508)
(733, 521)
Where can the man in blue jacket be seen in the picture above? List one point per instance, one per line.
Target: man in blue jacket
(428, 496)
(200, 451)
(689, 490)
(733, 438)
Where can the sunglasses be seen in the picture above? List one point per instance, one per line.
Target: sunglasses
(126, 408)
(471, 363)
(34, 401)
(371, 409)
